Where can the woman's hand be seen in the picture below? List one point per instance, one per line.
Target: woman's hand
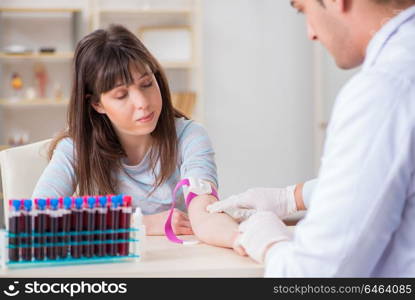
(180, 223)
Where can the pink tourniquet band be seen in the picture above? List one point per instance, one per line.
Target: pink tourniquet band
(168, 229)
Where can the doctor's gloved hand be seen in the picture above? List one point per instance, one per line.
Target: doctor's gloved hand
(259, 232)
(280, 201)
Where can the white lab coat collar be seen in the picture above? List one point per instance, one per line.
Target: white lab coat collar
(381, 38)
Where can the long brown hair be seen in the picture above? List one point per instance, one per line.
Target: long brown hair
(102, 58)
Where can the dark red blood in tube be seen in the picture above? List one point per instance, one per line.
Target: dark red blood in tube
(77, 221)
(40, 230)
(114, 224)
(101, 225)
(89, 226)
(14, 219)
(66, 226)
(54, 220)
(125, 220)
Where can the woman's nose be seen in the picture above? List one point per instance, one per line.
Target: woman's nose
(139, 100)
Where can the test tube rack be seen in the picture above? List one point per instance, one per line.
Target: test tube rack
(71, 230)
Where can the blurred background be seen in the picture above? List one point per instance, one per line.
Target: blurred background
(242, 68)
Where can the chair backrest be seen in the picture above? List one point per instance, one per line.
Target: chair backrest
(21, 168)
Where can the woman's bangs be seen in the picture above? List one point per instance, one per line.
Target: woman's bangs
(117, 69)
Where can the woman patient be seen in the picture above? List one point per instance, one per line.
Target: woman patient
(124, 136)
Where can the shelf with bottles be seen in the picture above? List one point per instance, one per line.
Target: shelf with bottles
(34, 87)
(25, 46)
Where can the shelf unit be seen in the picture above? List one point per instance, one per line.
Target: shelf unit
(16, 27)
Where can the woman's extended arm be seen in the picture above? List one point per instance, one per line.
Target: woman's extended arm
(198, 161)
(216, 229)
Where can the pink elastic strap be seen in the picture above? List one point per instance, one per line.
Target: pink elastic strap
(168, 229)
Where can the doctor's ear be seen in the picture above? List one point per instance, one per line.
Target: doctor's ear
(342, 5)
(96, 104)
(339, 5)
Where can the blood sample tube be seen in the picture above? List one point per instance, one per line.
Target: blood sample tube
(76, 249)
(48, 215)
(35, 236)
(54, 216)
(125, 220)
(84, 236)
(21, 230)
(96, 229)
(114, 224)
(60, 228)
(90, 226)
(101, 225)
(66, 226)
(40, 230)
(14, 219)
(27, 230)
(108, 227)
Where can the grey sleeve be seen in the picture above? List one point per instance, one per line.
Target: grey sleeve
(58, 177)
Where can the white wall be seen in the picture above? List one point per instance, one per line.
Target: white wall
(258, 93)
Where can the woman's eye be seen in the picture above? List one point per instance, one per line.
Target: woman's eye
(121, 97)
(148, 84)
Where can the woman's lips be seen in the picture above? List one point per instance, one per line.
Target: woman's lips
(147, 118)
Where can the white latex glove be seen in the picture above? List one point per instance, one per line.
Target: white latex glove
(259, 232)
(240, 207)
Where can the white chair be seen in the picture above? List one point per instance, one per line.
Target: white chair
(20, 169)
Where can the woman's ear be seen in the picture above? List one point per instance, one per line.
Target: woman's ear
(97, 106)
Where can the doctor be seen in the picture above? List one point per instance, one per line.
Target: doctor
(361, 216)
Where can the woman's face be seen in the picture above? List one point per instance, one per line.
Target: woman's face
(135, 109)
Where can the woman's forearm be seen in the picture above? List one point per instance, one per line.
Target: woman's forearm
(217, 229)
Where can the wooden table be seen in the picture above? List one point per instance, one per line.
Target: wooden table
(160, 259)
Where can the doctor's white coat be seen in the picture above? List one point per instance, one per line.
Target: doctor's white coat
(361, 218)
